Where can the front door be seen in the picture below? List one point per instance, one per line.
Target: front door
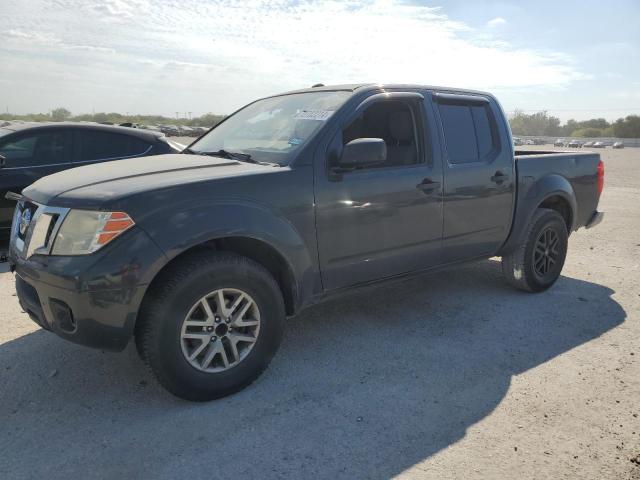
(385, 219)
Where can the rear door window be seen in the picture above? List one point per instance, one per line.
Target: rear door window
(469, 131)
(37, 149)
(484, 134)
(95, 145)
(459, 133)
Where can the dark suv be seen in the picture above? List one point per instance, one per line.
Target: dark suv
(29, 151)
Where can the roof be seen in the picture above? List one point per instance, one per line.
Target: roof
(359, 87)
(135, 132)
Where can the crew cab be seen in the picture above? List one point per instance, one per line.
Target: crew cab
(201, 256)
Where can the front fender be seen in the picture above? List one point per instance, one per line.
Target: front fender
(531, 193)
(177, 228)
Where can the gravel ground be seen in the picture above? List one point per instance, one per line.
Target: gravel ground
(449, 375)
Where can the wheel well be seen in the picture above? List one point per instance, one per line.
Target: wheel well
(258, 251)
(562, 206)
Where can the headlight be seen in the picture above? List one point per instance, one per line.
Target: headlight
(84, 231)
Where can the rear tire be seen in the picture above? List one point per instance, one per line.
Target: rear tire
(175, 324)
(537, 263)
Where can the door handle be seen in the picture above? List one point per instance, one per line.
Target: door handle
(428, 185)
(499, 177)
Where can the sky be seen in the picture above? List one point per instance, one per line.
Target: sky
(576, 59)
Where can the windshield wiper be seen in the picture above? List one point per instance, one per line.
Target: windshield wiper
(242, 157)
(245, 157)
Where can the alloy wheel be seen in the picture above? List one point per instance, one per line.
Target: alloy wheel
(546, 252)
(220, 330)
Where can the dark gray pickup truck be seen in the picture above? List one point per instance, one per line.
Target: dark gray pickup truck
(201, 256)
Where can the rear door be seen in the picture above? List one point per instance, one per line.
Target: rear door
(94, 146)
(30, 155)
(479, 176)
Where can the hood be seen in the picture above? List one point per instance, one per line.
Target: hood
(117, 179)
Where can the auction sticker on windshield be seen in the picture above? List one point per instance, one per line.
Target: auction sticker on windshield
(321, 115)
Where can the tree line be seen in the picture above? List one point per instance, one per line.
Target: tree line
(534, 124)
(543, 124)
(62, 114)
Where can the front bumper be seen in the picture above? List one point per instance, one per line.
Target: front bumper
(92, 299)
(595, 219)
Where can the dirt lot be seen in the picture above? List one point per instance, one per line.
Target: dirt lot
(450, 375)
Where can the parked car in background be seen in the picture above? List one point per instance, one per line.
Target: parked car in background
(517, 141)
(201, 130)
(558, 143)
(170, 130)
(193, 131)
(574, 144)
(618, 145)
(598, 145)
(588, 144)
(30, 151)
(539, 141)
(185, 131)
(205, 254)
(153, 128)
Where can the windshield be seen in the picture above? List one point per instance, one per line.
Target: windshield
(270, 130)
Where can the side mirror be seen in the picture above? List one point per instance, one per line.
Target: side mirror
(363, 152)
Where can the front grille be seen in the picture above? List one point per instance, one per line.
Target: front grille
(34, 232)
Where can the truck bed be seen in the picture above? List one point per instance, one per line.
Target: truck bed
(580, 170)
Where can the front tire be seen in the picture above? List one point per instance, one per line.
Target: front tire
(210, 325)
(537, 263)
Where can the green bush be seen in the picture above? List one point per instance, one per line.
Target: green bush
(587, 133)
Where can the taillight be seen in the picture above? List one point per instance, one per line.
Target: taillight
(600, 176)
